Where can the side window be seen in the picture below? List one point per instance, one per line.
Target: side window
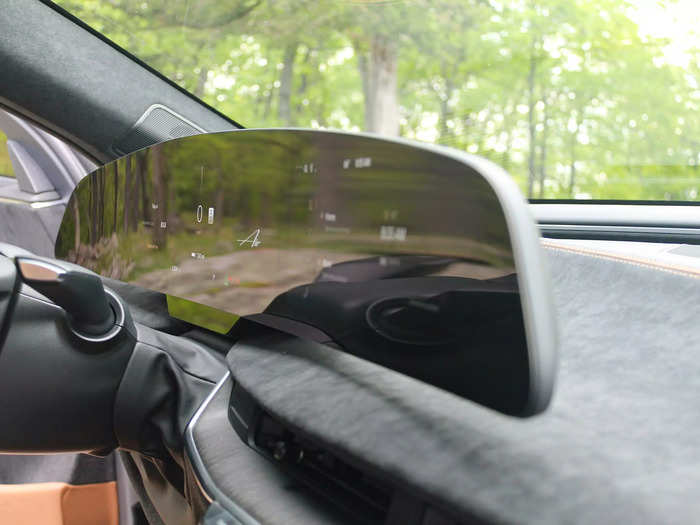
(5, 162)
(37, 175)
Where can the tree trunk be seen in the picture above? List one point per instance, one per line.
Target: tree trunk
(303, 84)
(383, 82)
(508, 130)
(284, 109)
(572, 165)
(201, 82)
(531, 121)
(363, 65)
(76, 219)
(127, 193)
(543, 150)
(270, 96)
(444, 105)
(160, 187)
(92, 207)
(219, 202)
(102, 210)
(379, 86)
(116, 197)
(145, 204)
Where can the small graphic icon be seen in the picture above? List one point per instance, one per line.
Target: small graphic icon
(253, 239)
(389, 261)
(393, 233)
(386, 233)
(163, 224)
(210, 216)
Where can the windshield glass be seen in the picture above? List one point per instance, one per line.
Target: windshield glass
(577, 99)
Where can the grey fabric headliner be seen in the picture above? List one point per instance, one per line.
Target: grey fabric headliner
(620, 442)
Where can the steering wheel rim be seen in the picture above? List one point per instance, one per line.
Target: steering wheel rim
(8, 288)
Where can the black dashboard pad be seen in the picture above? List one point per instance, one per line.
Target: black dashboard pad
(399, 254)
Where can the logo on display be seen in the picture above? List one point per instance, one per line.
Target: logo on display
(253, 239)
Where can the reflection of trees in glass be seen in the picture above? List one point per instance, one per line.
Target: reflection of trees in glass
(161, 197)
(280, 182)
(112, 201)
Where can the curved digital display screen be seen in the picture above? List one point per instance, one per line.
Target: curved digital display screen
(397, 254)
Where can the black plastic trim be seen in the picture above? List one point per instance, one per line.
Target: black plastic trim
(614, 201)
(134, 58)
(667, 223)
(621, 233)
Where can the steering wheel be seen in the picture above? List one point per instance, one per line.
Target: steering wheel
(8, 286)
(78, 374)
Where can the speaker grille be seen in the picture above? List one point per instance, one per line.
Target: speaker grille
(157, 124)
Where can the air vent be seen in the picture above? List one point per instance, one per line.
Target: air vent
(361, 495)
(361, 492)
(159, 123)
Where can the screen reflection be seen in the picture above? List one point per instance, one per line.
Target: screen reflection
(395, 253)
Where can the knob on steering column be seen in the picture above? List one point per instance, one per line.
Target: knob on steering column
(92, 313)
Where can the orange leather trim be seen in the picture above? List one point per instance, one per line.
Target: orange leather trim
(59, 504)
(629, 259)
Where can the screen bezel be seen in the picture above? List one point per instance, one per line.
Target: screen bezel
(537, 306)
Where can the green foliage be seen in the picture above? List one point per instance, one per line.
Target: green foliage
(5, 162)
(567, 95)
(213, 319)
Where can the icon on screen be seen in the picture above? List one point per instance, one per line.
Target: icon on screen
(253, 239)
(393, 233)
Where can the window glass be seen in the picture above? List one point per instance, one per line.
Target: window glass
(5, 163)
(577, 99)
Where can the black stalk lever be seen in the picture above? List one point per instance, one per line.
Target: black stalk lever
(80, 294)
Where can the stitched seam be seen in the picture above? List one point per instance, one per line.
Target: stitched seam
(684, 272)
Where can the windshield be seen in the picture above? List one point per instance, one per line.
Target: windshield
(577, 99)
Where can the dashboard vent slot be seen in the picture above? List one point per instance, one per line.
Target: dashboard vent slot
(360, 491)
(366, 498)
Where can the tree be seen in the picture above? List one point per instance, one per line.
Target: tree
(568, 95)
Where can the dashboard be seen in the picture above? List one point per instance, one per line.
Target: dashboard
(614, 446)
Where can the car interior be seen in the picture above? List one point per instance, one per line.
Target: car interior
(202, 322)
